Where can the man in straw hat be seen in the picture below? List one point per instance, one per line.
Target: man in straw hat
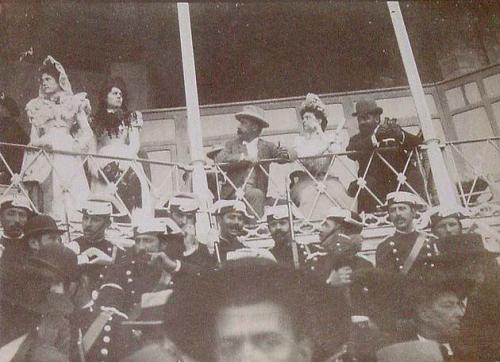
(256, 310)
(246, 150)
(373, 135)
(406, 247)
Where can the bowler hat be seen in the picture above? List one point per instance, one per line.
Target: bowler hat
(54, 262)
(41, 224)
(366, 106)
(254, 113)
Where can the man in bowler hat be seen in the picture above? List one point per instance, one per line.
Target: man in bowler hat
(244, 152)
(393, 144)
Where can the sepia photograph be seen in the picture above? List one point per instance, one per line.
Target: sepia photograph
(222, 181)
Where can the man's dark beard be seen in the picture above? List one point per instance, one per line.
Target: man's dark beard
(367, 128)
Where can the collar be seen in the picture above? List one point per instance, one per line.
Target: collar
(445, 345)
(252, 142)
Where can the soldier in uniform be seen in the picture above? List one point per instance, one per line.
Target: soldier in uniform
(182, 209)
(278, 222)
(404, 249)
(140, 285)
(334, 258)
(232, 216)
(15, 210)
(95, 253)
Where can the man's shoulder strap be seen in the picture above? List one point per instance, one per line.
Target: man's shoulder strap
(414, 252)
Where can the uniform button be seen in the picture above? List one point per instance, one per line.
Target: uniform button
(109, 249)
(132, 292)
(106, 339)
(130, 280)
(110, 318)
(95, 294)
(104, 352)
(400, 267)
(432, 265)
(315, 258)
(128, 272)
(394, 251)
(312, 268)
(428, 246)
(391, 243)
(170, 283)
(101, 276)
(429, 254)
(338, 244)
(133, 261)
(107, 328)
(397, 259)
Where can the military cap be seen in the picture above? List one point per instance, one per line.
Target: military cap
(404, 198)
(351, 218)
(184, 202)
(222, 207)
(16, 200)
(439, 213)
(281, 211)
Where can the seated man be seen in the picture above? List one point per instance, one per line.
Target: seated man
(140, 285)
(41, 231)
(434, 303)
(334, 259)
(232, 216)
(15, 210)
(95, 253)
(244, 152)
(278, 222)
(182, 209)
(405, 249)
(395, 145)
(255, 310)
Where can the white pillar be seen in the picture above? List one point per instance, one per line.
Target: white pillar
(199, 179)
(446, 191)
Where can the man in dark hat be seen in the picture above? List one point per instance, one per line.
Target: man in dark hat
(256, 310)
(41, 231)
(391, 143)
(244, 152)
(53, 273)
(10, 132)
(433, 307)
(404, 251)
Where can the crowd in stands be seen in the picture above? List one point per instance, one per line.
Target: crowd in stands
(167, 295)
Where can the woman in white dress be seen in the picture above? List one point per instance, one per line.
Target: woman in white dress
(59, 122)
(313, 141)
(117, 133)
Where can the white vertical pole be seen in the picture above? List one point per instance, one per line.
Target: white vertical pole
(200, 186)
(445, 189)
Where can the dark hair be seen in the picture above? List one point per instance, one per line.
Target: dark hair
(49, 69)
(317, 113)
(315, 313)
(105, 122)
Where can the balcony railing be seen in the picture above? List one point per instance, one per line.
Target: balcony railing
(475, 175)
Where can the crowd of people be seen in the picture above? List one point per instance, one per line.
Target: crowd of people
(170, 297)
(63, 122)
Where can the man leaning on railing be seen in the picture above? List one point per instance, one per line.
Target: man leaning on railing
(244, 152)
(381, 171)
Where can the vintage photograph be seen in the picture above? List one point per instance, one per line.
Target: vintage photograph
(282, 181)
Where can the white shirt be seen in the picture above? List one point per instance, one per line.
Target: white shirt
(445, 345)
(252, 149)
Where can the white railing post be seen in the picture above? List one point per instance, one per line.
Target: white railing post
(200, 185)
(446, 191)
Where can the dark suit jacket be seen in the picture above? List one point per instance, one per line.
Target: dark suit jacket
(380, 178)
(240, 170)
